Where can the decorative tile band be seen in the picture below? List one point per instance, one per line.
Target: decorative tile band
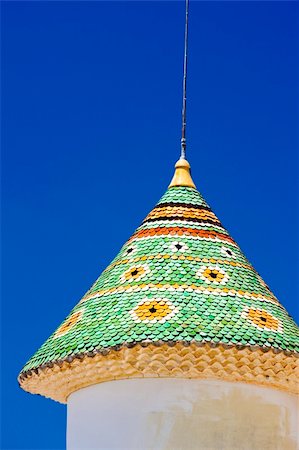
(191, 214)
(182, 231)
(183, 287)
(181, 360)
(158, 223)
(182, 257)
(200, 220)
(182, 205)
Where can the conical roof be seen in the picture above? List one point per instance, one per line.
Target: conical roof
(179, 300)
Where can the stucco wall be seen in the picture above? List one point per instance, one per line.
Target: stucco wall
(181, 414)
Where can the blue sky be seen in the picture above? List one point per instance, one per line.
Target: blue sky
(91, 110)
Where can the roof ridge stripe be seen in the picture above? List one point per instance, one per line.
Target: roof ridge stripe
(172, 230)
(187, 219)
(188, 287)
(188, 258)
(181, 204)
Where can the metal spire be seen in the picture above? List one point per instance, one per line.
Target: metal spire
(183, 139)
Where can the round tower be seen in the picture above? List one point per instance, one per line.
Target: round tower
(179, 344)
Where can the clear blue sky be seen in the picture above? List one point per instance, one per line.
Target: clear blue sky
(91, 105)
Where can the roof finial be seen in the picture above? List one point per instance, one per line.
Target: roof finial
(183, 139)
(182, 176)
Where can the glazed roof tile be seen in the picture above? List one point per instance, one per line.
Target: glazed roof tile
(179, 286)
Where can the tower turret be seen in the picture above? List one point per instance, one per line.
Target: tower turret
(178, 331)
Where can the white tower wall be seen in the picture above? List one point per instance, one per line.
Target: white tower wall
(156, 414)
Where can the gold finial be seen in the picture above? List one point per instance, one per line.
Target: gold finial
(182, 175)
